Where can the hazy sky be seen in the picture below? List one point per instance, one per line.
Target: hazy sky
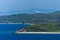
(29, 4)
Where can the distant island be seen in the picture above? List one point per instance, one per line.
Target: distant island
(38, 22)
(35, 18)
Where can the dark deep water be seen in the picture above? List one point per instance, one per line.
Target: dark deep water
(7, 33)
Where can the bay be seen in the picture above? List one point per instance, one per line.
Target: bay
(7, 33)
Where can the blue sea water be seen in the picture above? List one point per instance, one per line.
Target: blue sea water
(7, 33)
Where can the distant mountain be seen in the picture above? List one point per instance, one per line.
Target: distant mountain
(29, 11)
(38, 11)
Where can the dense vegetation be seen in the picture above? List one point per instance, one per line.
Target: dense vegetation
(43, 28)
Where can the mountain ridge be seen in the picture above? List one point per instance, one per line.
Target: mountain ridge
(29, 11)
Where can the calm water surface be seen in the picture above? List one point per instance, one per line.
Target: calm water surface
(7, 33)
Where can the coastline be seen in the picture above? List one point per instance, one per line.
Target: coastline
(37, 32)
(19, 23)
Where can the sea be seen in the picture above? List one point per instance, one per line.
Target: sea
(7, 32)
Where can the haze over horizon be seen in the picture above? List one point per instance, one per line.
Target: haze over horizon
(8, 5)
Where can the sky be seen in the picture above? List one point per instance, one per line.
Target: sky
(6, 5)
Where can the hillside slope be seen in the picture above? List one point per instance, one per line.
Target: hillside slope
(31, 18)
